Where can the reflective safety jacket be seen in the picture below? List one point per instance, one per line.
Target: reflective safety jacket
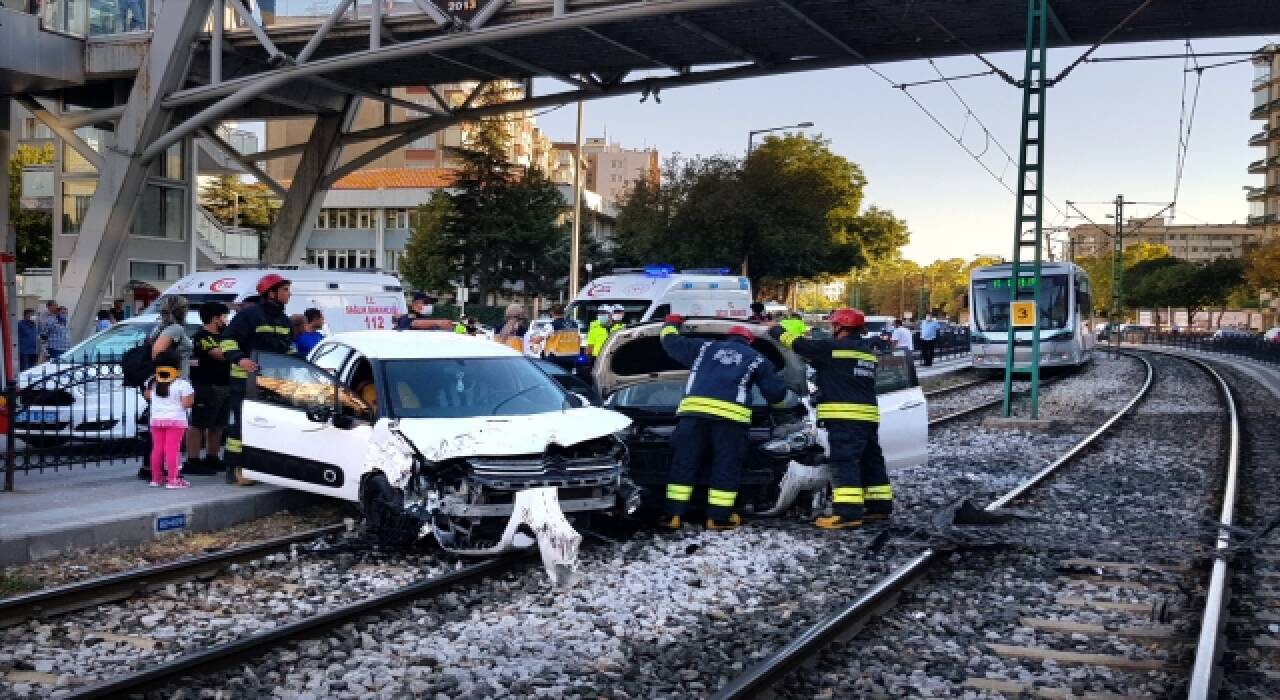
(263, 327)
(721, 373)
(599, 332)
(794, 325)
(846, 376)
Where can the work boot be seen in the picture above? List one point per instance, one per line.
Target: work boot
(730, 523)
(878, 511)
(670, 522)
(835, 522)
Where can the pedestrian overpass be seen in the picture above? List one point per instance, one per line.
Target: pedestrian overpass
(196, 63)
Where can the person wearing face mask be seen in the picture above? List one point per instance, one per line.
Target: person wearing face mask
(617, 319)
(419, 316)
(211, 378)
(28, 341)
(56, 335)
(598, 331)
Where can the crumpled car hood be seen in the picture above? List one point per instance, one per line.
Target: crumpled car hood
(439, 439)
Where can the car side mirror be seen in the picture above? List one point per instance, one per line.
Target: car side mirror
(320, 414)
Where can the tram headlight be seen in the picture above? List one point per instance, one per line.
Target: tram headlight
(794, 442)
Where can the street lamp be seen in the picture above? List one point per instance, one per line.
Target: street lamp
(751, 135)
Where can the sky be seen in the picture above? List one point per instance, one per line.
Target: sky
(1111, 129)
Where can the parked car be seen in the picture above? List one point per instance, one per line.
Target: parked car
(1272, 334)
(460, 439)
(1223, 335)
(638, 379)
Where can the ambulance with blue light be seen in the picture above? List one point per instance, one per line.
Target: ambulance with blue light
(652, 292)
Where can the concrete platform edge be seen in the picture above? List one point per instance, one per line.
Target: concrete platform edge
(138, 528)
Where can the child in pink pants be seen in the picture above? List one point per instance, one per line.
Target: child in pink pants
(170, 396)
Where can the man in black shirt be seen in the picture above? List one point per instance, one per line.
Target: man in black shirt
(210, 376)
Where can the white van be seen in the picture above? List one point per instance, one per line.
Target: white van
(650, 293)
(81, 398)
(350, 301)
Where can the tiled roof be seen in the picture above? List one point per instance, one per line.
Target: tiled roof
(397, 178)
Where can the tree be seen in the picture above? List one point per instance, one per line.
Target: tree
(427, 262)
(34, 228)
(1262, 265)
(792, 210)
(1186, 285)
(234, 202)
(1100, 273)
(497, 227)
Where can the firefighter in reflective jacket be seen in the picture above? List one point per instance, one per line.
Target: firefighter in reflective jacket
(846, 379)
(715, 417)
(263, 327)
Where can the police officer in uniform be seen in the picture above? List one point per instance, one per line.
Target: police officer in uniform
(419, 316)
(263, 327)
(846, 379)
(715, 417)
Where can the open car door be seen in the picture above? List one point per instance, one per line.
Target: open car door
(904, 415)
(290, 434)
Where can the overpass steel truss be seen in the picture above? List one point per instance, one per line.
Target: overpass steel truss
(196, 73)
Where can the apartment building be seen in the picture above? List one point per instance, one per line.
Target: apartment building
(1264, 201)
(611, 168)
(1194, 242)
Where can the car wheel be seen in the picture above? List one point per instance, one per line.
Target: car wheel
(384, 516)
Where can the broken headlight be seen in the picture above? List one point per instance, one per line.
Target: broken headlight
(798, 441)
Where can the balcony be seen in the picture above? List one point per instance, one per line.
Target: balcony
(1263, 111)
(1262, 220)
(1264, 137)
(1262, 81)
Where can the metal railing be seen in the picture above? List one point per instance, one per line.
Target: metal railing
(1252, 347)
(107, 17)
(228, 242)
(75, 413)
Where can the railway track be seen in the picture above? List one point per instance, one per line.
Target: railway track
(126, 584)
(1148, 610)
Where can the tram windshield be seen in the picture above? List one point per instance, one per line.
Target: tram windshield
(991, 302)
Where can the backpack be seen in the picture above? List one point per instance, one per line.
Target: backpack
(136, 364)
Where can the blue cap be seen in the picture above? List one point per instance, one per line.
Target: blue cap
(423, 296)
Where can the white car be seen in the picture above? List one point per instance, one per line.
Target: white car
(438, 434)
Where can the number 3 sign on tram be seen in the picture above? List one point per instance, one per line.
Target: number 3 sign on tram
(1023, 313)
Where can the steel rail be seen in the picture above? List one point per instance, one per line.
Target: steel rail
(229, 653)
(1204, 672)
(954, 387)
(852, 617)
(125, 584)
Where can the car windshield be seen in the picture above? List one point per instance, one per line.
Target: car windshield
(874, 326)
(584, 312)
(663, 396)
(470, 387)
(991, 302)
(111, 343)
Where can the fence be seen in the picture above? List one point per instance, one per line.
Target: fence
(75, 414)
(1252, 347)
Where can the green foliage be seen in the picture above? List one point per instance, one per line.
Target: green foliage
(1100, 273)
(34, 228)
(792, 210)
(234, 202)
(1262, 265)
(497, 228)
(892, 285)
(1185, 285)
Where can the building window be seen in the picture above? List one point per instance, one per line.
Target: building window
(169, 166)
(341, 219)
(392, 258)
(322, 220)
(152, 272)
(73, 162)
(363, 219)
(76, 196)
(33, 128)
(398, 218)
(160, 214)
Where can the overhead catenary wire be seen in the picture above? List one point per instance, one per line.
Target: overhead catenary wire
(1185, 117)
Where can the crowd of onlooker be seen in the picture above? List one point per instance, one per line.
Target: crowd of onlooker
(45, 335)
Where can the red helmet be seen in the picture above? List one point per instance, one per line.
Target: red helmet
(847, 318)
(270, 282)
(744, 332)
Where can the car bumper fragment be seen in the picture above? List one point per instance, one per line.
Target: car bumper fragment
(799, 478)
(539, 510)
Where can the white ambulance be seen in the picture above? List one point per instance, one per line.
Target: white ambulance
(652, 292)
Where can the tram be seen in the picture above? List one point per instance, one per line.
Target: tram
(1063, 315)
